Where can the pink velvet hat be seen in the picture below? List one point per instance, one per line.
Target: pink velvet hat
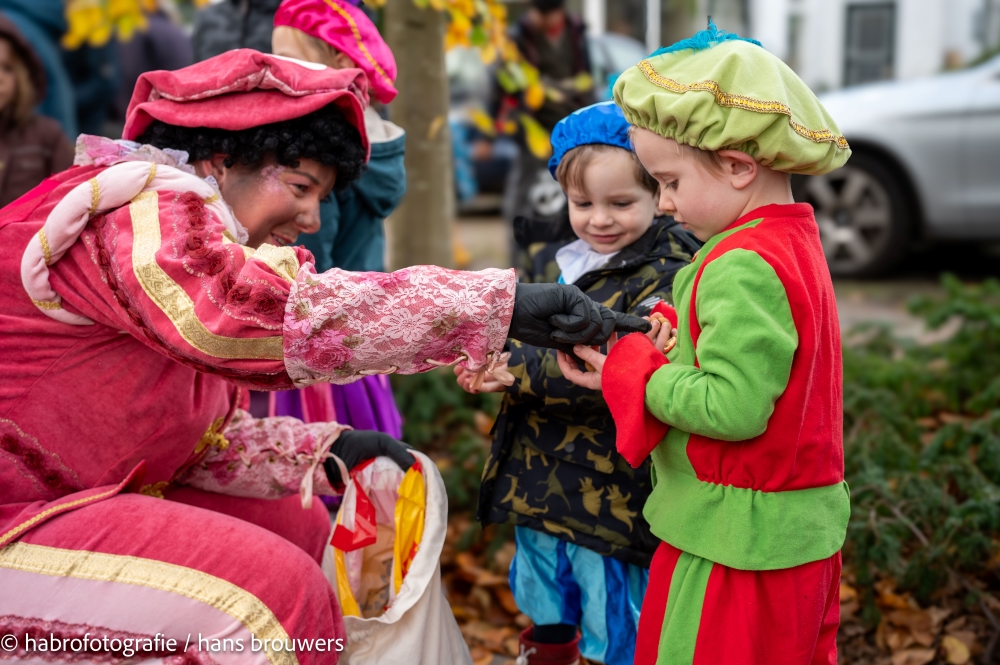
(346, 28)
(242, 89)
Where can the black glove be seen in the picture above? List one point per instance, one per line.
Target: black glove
(560, 315)
(355, 446)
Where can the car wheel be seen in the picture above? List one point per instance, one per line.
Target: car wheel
(863, 216)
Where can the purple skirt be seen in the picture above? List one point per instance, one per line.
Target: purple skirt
(364, 404)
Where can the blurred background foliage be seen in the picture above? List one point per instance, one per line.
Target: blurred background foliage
(922, 450)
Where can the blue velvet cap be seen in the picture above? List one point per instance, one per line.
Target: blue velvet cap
(598, 123)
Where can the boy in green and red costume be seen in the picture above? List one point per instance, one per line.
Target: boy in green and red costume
(743, 416)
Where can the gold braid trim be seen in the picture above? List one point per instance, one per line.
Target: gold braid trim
(173, 300)
(357, 38)
(723, 98)
(62, 507)
(95, 195)
(46, 304)
(152, 174)
(213, 437)
(212, 199)
(197, 585)
(45, 246)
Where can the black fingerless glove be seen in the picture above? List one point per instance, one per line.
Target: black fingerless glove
(355, 446)
(561, 315)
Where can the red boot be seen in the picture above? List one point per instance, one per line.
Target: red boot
(533, 653)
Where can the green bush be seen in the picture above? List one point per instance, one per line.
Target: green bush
(922, 449)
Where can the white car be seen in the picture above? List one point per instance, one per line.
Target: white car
(925, 166)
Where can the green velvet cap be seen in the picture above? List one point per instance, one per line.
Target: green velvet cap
(732, 94)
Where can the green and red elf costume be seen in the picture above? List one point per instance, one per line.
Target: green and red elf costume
(743, 417)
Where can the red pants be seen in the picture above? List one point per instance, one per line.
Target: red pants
(309, 529)
(134, 566)
(701, 613)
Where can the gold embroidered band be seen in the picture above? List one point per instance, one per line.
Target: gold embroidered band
(45, 246)
(95, 195)
(723, 98)
(197, 585)
(46, 304)
(152, 174)
(174, 301)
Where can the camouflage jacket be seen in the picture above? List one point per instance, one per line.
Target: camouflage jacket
(553, 466)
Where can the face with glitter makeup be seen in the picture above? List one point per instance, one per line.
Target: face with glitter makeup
(275, 203)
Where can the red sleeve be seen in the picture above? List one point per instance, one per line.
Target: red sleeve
(627, 370)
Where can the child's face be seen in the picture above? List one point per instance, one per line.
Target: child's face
(614, 210)
(8, 84)
(703, 201)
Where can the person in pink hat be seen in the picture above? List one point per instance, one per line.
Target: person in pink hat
(144, 290)
(351, 236)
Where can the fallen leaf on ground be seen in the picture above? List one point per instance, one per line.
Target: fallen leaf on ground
(966, 637)
(913, 657)
(481, 656)
(506, 599)
(955, 652)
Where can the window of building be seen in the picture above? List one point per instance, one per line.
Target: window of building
(870, 43)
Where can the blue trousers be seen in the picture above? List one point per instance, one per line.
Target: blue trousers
(558, 582)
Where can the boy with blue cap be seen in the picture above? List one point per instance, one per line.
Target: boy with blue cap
(583, 548)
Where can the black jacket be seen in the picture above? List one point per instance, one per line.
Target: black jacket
(553, 466)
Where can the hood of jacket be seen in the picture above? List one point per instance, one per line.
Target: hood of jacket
(48, 15)
(9, 31)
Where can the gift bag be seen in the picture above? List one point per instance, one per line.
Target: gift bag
(387, 544)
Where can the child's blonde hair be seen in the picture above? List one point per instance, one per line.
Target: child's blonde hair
(574, 164)
(22, 106)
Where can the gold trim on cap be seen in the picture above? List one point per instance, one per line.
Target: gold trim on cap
(724, 98)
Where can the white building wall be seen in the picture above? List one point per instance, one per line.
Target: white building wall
(920, 33)
(926, 32)
(821, 54)
(769, 25)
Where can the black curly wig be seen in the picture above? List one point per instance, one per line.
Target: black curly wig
(324, 135)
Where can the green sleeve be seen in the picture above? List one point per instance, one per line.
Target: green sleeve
(745, 352)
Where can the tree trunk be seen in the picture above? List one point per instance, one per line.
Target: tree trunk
(420, 230)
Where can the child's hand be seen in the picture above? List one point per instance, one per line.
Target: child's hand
(466, 380)
(595, 365)
(661, 335)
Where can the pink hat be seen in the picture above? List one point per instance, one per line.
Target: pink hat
(242, 89)
(347, 29)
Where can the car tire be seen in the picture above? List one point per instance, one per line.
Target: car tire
(864, 216)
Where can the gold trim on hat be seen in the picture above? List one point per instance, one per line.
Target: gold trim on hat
(357, 39)
(741, 102)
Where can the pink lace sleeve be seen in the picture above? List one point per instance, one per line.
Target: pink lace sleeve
(342, 325)
(267, 458)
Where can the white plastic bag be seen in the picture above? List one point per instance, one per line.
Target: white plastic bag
(394, 607)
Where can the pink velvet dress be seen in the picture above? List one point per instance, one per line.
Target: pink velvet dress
(99, 422)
